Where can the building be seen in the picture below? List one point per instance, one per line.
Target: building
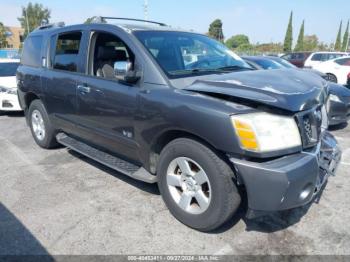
(14, 37)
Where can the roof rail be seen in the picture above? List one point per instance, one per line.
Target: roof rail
(102, 19)
(59, 24)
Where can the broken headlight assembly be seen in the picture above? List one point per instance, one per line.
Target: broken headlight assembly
(334, 98)
(264, 132)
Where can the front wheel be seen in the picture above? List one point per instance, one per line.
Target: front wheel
(332, 78)
(197, 185)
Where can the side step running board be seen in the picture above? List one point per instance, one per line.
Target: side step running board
(113, 162)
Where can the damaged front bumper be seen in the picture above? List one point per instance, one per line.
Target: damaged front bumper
(289, 181)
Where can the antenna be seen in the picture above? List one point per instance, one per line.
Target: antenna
(145, 9)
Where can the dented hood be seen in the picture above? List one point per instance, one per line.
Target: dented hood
(292, 90)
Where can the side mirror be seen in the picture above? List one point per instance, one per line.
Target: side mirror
(123, 72)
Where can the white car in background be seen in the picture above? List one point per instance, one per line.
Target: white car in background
(337, 70)
(319, 57)
(8, 85)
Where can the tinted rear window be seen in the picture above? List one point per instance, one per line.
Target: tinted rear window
(66, 55)
(8, 69)
(32, 51)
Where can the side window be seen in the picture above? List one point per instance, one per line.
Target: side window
(32, 51)
(106, 50)
(300, 56)
(66, 52)
(343, 61)
(316, 57)
(286, 57)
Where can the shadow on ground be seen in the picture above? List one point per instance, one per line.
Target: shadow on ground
(12, 114)
(16, 239)
(338, 127)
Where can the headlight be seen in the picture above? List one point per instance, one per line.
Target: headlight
(264, 132)
(334, 98)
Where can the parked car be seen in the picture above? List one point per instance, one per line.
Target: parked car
(337, 70)
(318, 57)
(124, 96)
(8, 85)
(267, 62)
(297, 58)
(338, 106)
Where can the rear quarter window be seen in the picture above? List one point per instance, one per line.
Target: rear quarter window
(31, 55)
(66, 51)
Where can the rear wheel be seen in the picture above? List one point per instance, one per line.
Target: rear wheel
(42, 130)
(197, 185)
(332, 78)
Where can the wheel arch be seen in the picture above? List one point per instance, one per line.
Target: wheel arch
(29, 98)
(170, 135)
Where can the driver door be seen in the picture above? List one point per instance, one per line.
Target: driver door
(106, 107)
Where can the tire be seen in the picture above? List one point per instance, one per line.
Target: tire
(47, 138)
(222, 197)
(332, 78)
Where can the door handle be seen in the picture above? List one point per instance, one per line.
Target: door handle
(84, 89)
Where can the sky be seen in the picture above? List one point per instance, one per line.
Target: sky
(261, 20)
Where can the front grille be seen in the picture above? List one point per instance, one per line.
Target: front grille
(310, 123)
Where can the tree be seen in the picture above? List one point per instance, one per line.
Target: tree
(237, 40)
(288, 40)
(94, 19)
(323, 47)
(310, 42)
(346, 39)
(300, 43)
(269, 48)
(215, 30)
(3, 41)
(33, 16)
(245, 48)
(337, 45)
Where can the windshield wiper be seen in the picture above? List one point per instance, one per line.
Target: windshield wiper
(195, 70)
(234, 67)
(211, 70)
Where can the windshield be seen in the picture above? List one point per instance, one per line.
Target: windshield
(8, 69)
(285, 63)
(268, 63)
(183, 54)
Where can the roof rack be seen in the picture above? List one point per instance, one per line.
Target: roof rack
(59, 24)
(101, 19)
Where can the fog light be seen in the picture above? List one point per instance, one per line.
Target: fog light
(306, 192)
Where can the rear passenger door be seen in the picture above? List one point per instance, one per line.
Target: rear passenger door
(65, 70)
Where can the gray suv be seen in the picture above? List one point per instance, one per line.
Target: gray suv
(179, 109)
